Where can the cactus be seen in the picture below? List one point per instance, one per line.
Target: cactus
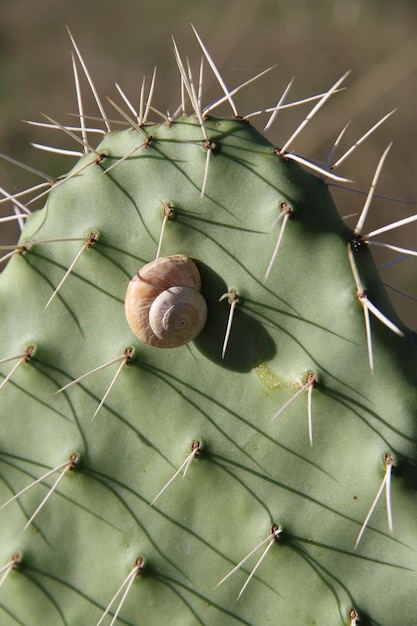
(291, 416)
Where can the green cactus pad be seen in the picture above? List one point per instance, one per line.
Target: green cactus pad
(217, 190)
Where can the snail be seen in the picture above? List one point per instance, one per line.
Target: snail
(163, 304)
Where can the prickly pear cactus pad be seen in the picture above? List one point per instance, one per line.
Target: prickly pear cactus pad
(263, 471)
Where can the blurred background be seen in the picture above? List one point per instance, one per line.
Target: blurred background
(314, 41)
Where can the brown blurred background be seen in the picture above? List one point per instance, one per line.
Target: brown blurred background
(314, 41)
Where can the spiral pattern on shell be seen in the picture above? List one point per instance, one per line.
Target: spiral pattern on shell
(163, 304)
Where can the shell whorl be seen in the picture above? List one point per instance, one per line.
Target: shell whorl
(163, 304)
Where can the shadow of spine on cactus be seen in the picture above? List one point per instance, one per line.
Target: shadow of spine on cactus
(288, 404)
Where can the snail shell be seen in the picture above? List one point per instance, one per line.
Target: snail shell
(163, 304)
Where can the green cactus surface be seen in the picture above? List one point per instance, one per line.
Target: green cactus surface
(312, 332)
